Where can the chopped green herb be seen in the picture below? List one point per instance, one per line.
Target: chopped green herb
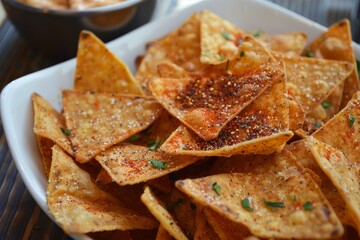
(153, 144)
(240, 41)
(178, 202)
(242, 54)
(246, 204)
(308, 54)
(274, 204)
(221, 58)
(351, 120)
(326, 104)
(294, 197)
(171, 223)
(134, 137)
(67, 132)
(226, 35)
(257, 33)
(192, 206)
(317, 125)
(227, 65)
(308, 206)
(147, 131)
(358, 66)
(216, 188)
(158, 164)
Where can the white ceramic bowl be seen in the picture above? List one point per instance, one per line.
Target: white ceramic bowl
(16, 106)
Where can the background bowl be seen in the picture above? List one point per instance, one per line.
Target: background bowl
(55, 32)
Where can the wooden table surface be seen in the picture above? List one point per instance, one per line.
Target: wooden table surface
(20, 217)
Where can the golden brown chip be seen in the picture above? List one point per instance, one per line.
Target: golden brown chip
(206, 103)
(157, 208)
(301, 150)
(336, 44)
(219, 38)
(312, 80)
(343, 173)
(100, 120)
(204, 231)
(79, 206)
(99, 70)
(290, 44)
(296, 112)
(260, 128)
(45, 146)
(171, 70)
(224, 227)
(131, 164)
(181, 47)
(273, 196)
(162, 234)
(50, 124)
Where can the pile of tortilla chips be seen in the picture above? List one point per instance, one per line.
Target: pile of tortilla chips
(200, 143)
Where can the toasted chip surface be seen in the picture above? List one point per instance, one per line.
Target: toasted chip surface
(269, 183)
(206, 103)
(79, 206)
(99, 70)
(290, 44)
(343, 173)
(131, 164)
(45, 146)
(262, 127)
(100, 120)
(157, 208)
(49, 124)
(296, 112)
(204, 231)
(219, 38)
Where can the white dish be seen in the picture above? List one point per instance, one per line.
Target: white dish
(16, 106)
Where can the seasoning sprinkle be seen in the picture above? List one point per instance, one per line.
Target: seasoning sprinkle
(153, 144)
(351, 120)
(65, 131)
(192, 206)
(226, 35)
(317, 125)
(158, 164)
(134, 137)
(308, 54)
(294, 197)
(216, 188)
(274, 204)
(257, 33)
(326, 104)
(308, 206)
(245, 203)
(242, 54)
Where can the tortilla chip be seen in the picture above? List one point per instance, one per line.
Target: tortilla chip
(206, 103)
(204, 231)
(343, 173)
(219, 38)
(312, 80)
(50, 124)
(99, 70)
(260, 128)
(296, 112)
(289, 44)
(157, 208)
(278, 192)
(224, 227)
(181, 47)
(131, 164)
(302, 151)
(162, 234)
(79, 206)
(336, 44)
(100, 120)
(171, 70)
(45, 146)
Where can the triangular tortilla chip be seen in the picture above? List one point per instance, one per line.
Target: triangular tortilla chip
(99, 70)
(131, 164)
(336, 44)
(260, 128)
(296, 112)
(170, 70)
(219, 38)
(50, 124)
(273, 196)
(343, 173)
(312, 80)
(157, 208)
(224, 227)
(206, 103)
(204, 231)
(302, 151)
(45, 146)
(181, 47)
(289, 44)
(100, 120)
(79, 206)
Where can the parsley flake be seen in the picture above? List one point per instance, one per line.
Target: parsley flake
(192, 206)
(326, 104)
(351, 120)
(226, 35)
(274, 204)
(65, 131)
(153, 144)
(242, 54)
(257, 33)
(134, 137)
(358, 66)
(308, 54)
(221, 58)
(216, 188)
(308, 206)
(158, 164)
(245, 203)
(317, 125)
(294, 197)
